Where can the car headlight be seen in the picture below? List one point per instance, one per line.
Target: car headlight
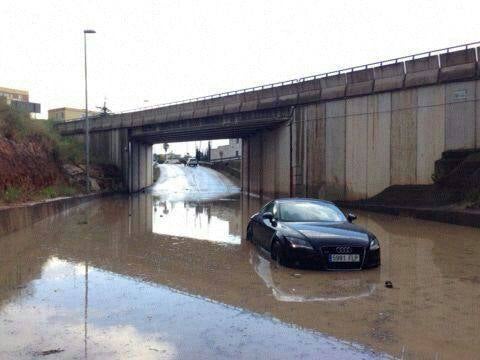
(298, 243)
(374, 244)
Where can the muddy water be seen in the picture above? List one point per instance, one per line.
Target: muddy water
(151, 276)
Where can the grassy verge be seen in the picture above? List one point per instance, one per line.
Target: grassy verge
(18, 126)
(14, 195)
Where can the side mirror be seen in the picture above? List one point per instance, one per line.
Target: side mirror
(351, 217)
(267, 215)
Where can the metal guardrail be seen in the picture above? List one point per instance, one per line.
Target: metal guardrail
(437, 52)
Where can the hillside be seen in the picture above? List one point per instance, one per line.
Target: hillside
(37, 163)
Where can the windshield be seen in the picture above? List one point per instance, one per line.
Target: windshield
(309, 212)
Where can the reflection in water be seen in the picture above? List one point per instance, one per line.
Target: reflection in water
(217, 220)
(340, 286)
(183, 326)
(154, 293)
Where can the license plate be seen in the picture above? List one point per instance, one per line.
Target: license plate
(344, 258)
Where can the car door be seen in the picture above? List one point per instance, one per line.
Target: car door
(265, 227)
(258, 229)
(271, 228)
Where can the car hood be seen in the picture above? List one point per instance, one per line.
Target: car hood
(327, 233)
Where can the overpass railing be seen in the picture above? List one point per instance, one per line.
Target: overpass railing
(456, 63)
(475, 46)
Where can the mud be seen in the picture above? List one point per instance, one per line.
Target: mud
(160, 276)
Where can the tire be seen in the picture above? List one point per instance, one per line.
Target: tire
(277, 253)
(249, 233)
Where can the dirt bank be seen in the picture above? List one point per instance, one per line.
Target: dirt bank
(37, 163)
(29, 164)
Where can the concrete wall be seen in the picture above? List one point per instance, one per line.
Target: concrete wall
(478, 115)
(141, 168)
(135, 159)
(266, 163)
(354, 148)
(232, 150)
(13, 218)
(378, 143)
(335, 150)
(449, 66)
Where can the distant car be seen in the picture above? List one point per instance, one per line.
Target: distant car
(192, 162)
(313, 233)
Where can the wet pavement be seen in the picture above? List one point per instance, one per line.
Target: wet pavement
(168, 274)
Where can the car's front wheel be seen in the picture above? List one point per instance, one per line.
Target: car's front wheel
(278, 254)
(249, 233)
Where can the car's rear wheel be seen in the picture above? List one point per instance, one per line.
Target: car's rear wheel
(278, 254)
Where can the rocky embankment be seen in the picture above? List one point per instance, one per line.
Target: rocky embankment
(30, 169)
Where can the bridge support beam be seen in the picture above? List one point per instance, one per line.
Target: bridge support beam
(133, 158)
(140, 166)
(266, 162)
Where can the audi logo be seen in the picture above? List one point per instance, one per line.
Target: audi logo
(343, 249)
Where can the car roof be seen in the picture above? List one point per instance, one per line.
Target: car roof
(318, 201)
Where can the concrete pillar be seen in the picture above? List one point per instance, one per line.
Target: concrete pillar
(430, 130)
(460, 115)
(134, 166)
(477, 112)
(378, 157)
(140, 166)
(335, 150)
(110, 147)
(356, 148)
(403, 138)
(283, 161)
(315, 154)
(245, 165)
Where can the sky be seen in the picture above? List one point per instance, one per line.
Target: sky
(149, 52)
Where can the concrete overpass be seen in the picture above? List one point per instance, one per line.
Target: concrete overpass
(346, 134)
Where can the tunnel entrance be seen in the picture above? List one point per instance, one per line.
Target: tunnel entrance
(197, 170)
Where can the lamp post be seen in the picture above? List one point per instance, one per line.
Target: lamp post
(87, 124)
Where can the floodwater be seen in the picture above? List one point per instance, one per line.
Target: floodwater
(167, 274)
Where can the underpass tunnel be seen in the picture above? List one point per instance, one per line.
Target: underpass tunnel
(199, 166)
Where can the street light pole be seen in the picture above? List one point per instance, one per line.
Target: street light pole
(87, 123)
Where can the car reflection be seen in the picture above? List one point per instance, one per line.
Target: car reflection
(289, 285)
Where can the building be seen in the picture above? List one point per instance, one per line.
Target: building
(68, 114)
(227, 152)
(19, 99)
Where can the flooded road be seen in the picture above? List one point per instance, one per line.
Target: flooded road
(168, 275)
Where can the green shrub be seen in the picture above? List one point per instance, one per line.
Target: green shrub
(48, 193)
(51, 192)
(12, 194)
(65, 190)
(17, 126)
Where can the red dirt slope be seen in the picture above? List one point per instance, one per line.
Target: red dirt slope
(28, 164)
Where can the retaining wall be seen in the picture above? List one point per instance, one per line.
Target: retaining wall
(354, 148)
(13, 218)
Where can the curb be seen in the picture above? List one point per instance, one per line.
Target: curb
(455, 217)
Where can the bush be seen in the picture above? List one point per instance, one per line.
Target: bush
(18, 126)
(12, 194)
(51, 192)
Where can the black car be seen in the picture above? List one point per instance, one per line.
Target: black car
(313, 233)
